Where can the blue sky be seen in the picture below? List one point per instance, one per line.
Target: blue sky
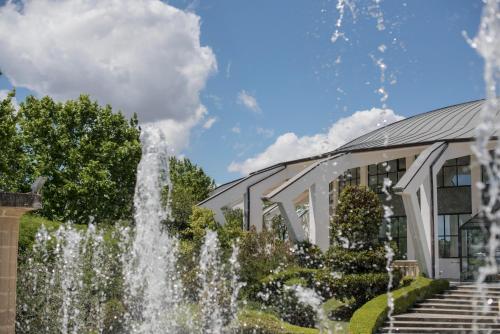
(280, 53)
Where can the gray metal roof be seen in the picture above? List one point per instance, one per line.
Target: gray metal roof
(453, 123)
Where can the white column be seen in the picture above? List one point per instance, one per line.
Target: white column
(295, 230)
(319, 221)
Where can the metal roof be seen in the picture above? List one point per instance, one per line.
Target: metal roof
(453, 123)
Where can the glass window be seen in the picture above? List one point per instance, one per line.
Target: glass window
(393, 170)
(398, 234)
(350, 177)
(455, 173)
(448, 229)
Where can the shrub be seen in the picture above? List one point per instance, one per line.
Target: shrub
(260, 255)
(308, 255)
(371, 316)
(356, 287)
(349, 261)
(275, 294)
(200, 220)
(28, 228)
(259, 322)
(357, 219)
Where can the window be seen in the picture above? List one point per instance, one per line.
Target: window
(455, 173)
(393, 170)
(351, 177)
(398, 234)
(448, 226)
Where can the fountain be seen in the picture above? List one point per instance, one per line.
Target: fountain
(71, 271)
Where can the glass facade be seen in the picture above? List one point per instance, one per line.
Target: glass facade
(398, 234)
(455, 173)
(392, 170)
(351, 177)
(448, 232)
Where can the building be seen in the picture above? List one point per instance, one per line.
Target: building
(428, 158)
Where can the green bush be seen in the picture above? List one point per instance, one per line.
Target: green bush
(358, 288)
(28, 228)
(371, 316)
(275, 294)
(260, 255)
(350, 261)
(259, 322)
(308, 255)
(357, 219)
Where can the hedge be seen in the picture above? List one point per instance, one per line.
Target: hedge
(28, 228)
(259, 322)
(368, 318)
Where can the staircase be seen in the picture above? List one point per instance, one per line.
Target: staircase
(461, 309)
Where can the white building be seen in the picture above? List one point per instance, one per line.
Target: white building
(427, 157)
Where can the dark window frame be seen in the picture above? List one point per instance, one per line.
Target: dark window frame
(456, 165)
(443, 236)
(347, 178)
(380, 172)
(397, 235)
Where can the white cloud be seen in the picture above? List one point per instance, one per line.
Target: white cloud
(266, 133)
(209, 123)
(236, 129)
(249, 101)
(289, 146)
(139, 56)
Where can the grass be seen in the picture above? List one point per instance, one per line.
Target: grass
(368, 318)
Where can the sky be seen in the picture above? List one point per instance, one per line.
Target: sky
(238, 85)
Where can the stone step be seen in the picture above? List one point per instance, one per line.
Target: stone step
(468, 301)
(429, 317)
(466, 307)
(454, 310)
(437, 324)
(476, 286)
(464, 296)
(438, 330)
(472, 293)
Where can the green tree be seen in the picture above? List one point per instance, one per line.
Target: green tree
(355, 230)
(88, 153)
(12, 157)
(357, 219)
(190, 185)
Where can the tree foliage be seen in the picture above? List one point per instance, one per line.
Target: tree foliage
(357, 219)
(12, 157)
(190, 185)
(88, 153)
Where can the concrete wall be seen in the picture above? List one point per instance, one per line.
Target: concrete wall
(9, 237)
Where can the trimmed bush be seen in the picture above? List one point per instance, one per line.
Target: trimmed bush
(28, 228)
(372, 315)
(350, 261)
(258, 322)
(360, 287)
